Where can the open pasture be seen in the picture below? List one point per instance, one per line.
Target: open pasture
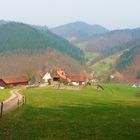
(88, 114)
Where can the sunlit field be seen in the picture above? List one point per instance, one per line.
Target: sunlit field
(88, 114)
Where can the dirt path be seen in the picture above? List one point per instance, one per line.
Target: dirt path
(13, 101)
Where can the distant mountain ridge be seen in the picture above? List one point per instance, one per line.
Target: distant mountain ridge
(78, 30)
(41, 28)
(3, 22)
(110, 40)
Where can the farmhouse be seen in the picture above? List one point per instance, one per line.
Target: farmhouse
(59, 75)
(77, 79)
(15, 81)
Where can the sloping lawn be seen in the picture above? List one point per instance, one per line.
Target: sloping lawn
(49, 114)
(105, 65)
(4, 94)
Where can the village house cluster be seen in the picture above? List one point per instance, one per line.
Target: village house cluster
(58, 76)
(61, 76)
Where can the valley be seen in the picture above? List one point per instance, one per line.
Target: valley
(104, 51)
(70, 70)
(76, 47)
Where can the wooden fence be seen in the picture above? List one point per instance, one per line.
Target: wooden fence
(11, 104)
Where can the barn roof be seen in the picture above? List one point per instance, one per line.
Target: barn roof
(90, 78)
(14, 80)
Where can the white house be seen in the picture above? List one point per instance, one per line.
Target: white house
(134, 86)
(47, 77)
(112, 76)
(2, 87)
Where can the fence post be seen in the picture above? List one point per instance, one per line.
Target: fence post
(1, 109)
(24, 100)
(18, 102)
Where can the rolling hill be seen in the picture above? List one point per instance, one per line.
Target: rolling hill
(2, 22)
(124, 65)
(24, 47)
(18, 36)
(100, 48)
(113, 39)
(78, 30)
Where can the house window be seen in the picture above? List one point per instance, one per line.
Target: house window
(56, 79)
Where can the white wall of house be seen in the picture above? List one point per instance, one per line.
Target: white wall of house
(83, 83)
(47, 77)
(134, 86)
(2, 87)
(75, 83)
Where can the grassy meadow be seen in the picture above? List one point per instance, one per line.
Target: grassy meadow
(88, 114)
(4, 94)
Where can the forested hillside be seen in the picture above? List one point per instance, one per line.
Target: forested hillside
(128, 65)
(127, 58)
(24, 47)
(18, 36)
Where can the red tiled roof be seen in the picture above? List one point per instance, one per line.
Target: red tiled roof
(60, 74)
(76, 78)
(15, 80)
(90, 78)
(71, 78)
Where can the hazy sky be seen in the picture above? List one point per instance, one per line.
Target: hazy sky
(110, 13)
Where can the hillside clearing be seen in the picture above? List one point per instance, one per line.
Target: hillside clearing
(105, 66)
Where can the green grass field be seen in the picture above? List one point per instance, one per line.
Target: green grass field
(50, 114)
(4, 94)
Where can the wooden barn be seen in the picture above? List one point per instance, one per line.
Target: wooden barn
(59, 75)
(14, 81)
